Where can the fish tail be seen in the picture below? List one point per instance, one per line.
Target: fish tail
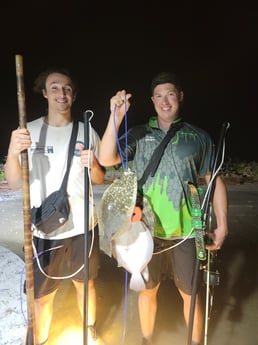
(137, 282)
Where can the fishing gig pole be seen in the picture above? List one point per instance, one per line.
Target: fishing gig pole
(86, 117)
(28, 251)
(210, 275)
(211, 278)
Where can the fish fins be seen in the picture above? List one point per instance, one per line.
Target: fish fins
(136, 282)
(145, 273)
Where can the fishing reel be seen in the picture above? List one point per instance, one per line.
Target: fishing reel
(210, 270)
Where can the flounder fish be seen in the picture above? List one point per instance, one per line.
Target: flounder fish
(116, 209)
(130, 242)
(133, 250)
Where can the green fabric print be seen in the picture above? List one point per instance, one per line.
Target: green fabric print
(169, 220)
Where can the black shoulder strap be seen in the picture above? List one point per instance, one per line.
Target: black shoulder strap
(70, 153)
(157, 154)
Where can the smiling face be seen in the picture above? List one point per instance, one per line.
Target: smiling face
(59, 92)
(166, 100)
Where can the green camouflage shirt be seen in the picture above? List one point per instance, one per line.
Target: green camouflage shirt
(187, 156)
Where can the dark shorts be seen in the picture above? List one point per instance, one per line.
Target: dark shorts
(178, 264)
(63, 259)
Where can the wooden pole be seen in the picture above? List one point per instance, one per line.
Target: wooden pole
(28, 252)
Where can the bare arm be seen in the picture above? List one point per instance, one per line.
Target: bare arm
(108, 154)
(220, 205)
(97, 171)
(20, 141)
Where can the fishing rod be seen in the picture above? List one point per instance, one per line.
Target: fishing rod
(28, 251)
(206, 210)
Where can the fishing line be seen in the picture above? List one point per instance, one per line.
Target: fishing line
(36, 257)
(22, 274)
(124, 167)
(125, 303)
(214, 175)
(117, 138)
(176, 244)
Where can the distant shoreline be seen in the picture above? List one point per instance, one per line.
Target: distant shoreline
(229, 180)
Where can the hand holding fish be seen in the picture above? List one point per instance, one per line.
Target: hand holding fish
(119, 104)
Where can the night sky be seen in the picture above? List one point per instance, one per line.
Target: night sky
(213, 50)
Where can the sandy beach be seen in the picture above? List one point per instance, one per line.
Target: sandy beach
(234, 313)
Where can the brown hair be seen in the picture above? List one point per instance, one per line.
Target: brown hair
(40, 81)
(166, 77)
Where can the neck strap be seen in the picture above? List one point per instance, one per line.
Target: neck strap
(70, 153)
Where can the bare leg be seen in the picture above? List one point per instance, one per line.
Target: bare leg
(91, 299)
(198, 315)
(43, 316)
(147, 306)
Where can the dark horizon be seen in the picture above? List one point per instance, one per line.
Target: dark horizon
(213, 51)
